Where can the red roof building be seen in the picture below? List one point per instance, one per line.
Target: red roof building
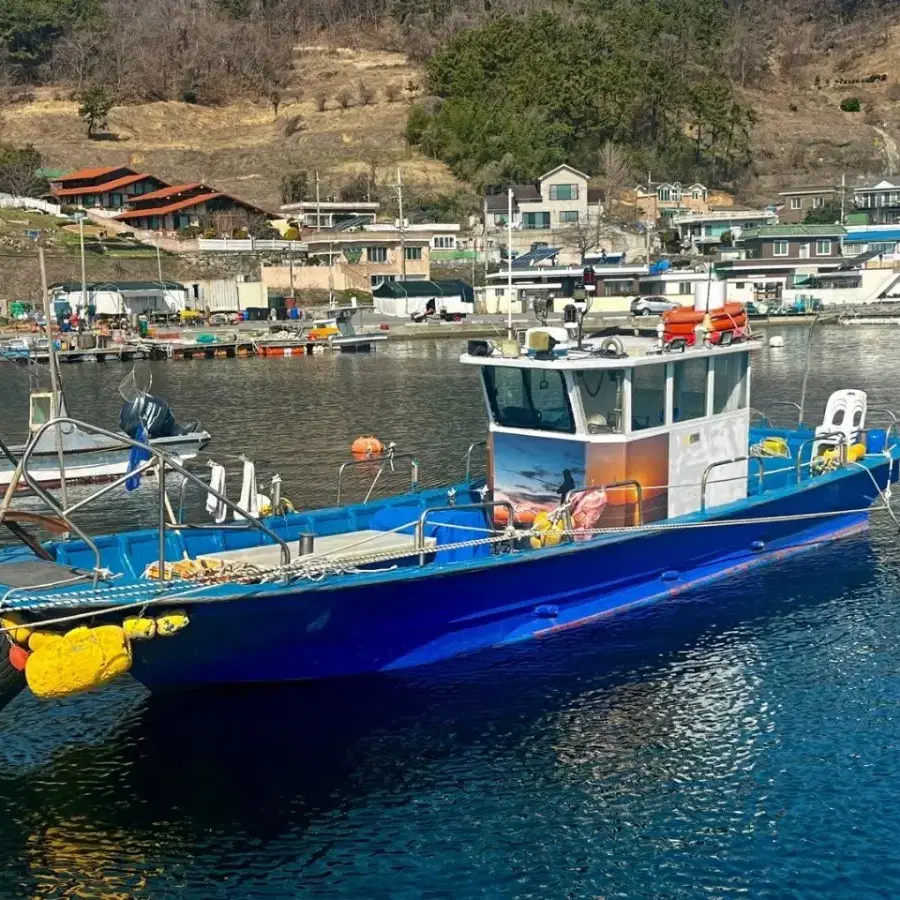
(184, 205)
(107, 188)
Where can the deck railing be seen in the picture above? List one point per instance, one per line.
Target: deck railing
(159, 460)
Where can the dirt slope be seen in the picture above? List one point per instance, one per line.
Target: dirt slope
(243, 147)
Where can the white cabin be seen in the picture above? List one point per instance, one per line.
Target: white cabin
(628, 433)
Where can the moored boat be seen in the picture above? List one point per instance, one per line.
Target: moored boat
(622, 471)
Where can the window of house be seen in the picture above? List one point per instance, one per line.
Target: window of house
(648, 397)
(569, 217)
(413, 252)
(823, 248)
(536, 220)
(818, 202)
(500, 219)
(796, 203)
(603, 399)
(664, 194)
(739, 285)
(376, 280)
(697, 193)
(730, 384)
(620, 288)
(376, 254)
(690, 390)
(563, 191)
(528, 398)
(685, 287)
(780, 248)
(444, 242)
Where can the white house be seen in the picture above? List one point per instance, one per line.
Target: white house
(561, 199)
(701, 232)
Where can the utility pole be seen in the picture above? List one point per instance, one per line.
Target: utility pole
(843, 195)
(509, 288)
(318, 207)
(55, 390)
(402, 226)
(83, 267)
(330, 274)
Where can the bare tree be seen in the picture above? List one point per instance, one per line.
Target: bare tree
(614, 178)
(583, 236)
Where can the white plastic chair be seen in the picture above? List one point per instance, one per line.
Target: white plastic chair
(845, 414)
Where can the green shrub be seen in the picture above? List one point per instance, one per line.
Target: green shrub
(416, 125)
(851, 104)
(292, 233)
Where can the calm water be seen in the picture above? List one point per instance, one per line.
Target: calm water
(740, 743)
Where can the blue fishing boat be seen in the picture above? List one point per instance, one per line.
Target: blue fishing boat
(622, 471)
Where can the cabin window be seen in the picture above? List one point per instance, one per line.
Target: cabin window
(603, 399)
(730, 385)
(529, 398)
(690, 390)
(648, 397)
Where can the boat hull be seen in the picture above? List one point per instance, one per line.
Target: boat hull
(94, 466)
(409, 619)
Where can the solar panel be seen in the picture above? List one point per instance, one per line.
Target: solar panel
(347, 224)
(533, 257)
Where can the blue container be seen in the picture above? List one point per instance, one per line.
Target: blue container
(876, 440)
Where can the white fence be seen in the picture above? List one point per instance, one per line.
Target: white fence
(8, 201)
(248, 245)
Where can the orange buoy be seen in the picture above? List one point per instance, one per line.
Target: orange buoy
(366, 447)
(18, 656)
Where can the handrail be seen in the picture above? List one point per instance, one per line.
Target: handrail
(389, 457)
(727, 462)
(488, 504)
(164, 460)
(881, 411)
(628, 482)
(842, 441)
(472, 446)
(790, 403)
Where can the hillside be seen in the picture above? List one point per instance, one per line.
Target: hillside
(800, 135)
(803, 135)
(243, 147)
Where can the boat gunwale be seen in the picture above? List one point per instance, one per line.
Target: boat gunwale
(221, 592)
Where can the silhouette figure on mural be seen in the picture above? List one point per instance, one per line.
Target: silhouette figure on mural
(568, 484)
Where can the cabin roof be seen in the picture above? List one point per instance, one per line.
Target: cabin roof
(640, 351)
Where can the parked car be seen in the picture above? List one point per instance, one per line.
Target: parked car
(652, 305)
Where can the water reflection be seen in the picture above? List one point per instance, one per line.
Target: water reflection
(661, 754)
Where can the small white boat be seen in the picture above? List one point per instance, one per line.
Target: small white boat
(89, 458)
(338, 331)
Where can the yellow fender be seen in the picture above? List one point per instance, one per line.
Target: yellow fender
(19, 633)
(171, 623)
(139, 628)
(82, 659)
(550, 530)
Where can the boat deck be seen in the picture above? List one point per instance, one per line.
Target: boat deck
(352, 547)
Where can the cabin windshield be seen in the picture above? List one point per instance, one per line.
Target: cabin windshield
(602, 399)
(529, 398)
(648, 397)
(690, 390)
